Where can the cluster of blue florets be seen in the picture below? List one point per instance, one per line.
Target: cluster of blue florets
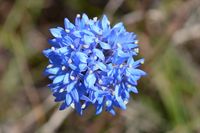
(91, 63)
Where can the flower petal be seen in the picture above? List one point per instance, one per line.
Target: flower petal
(68, 99)
(56, 32)
(133, 89)
(75, 95)
(82, 57)
(105, 45)
(58, 79)
(99, 54)
(101, 66)
(90, 80)
(66, 79)
(71, 86)
(68, 24)
(99, 109)
(53, 70)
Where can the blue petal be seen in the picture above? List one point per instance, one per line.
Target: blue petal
(59, 96)
(125, 38)
(108, 103)
(71, 86)
(56, 32)
(78, 21)
(63, 106)
(104, 22)
(126, 94)
(90, 80)
(83, 97)
(78, 108)
(58, 79)
(136, 72)
(68, 99)
(85, 18)
(133, 89)
(121, 103)
(66, 79)
(63, 50)
(112, 111)
(82, 67)
(47, 52)
(138, 63)
(100, 100)
(116, 90)
(105, 45)
(121, 53)
(68, 24)
(73, 67)
(88, 33)
(99, 54)
(82, 57)
(129, 45)
(88, 39)
(53, 70)
(93, 96)
(132, 80)
(107, 80)
(77, 34)
(118, 25)
(101, 66)
(53, 42)
(96, 29)
(99, 109)
(75, 95)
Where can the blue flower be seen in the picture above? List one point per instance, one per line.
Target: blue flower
(92, 63)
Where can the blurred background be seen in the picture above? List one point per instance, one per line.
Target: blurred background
(168, 99)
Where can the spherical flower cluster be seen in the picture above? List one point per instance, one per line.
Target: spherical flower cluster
(91, 63)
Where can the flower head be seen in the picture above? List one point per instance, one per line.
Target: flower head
(91, 63)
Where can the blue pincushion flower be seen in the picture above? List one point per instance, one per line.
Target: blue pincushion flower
(91, 63)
